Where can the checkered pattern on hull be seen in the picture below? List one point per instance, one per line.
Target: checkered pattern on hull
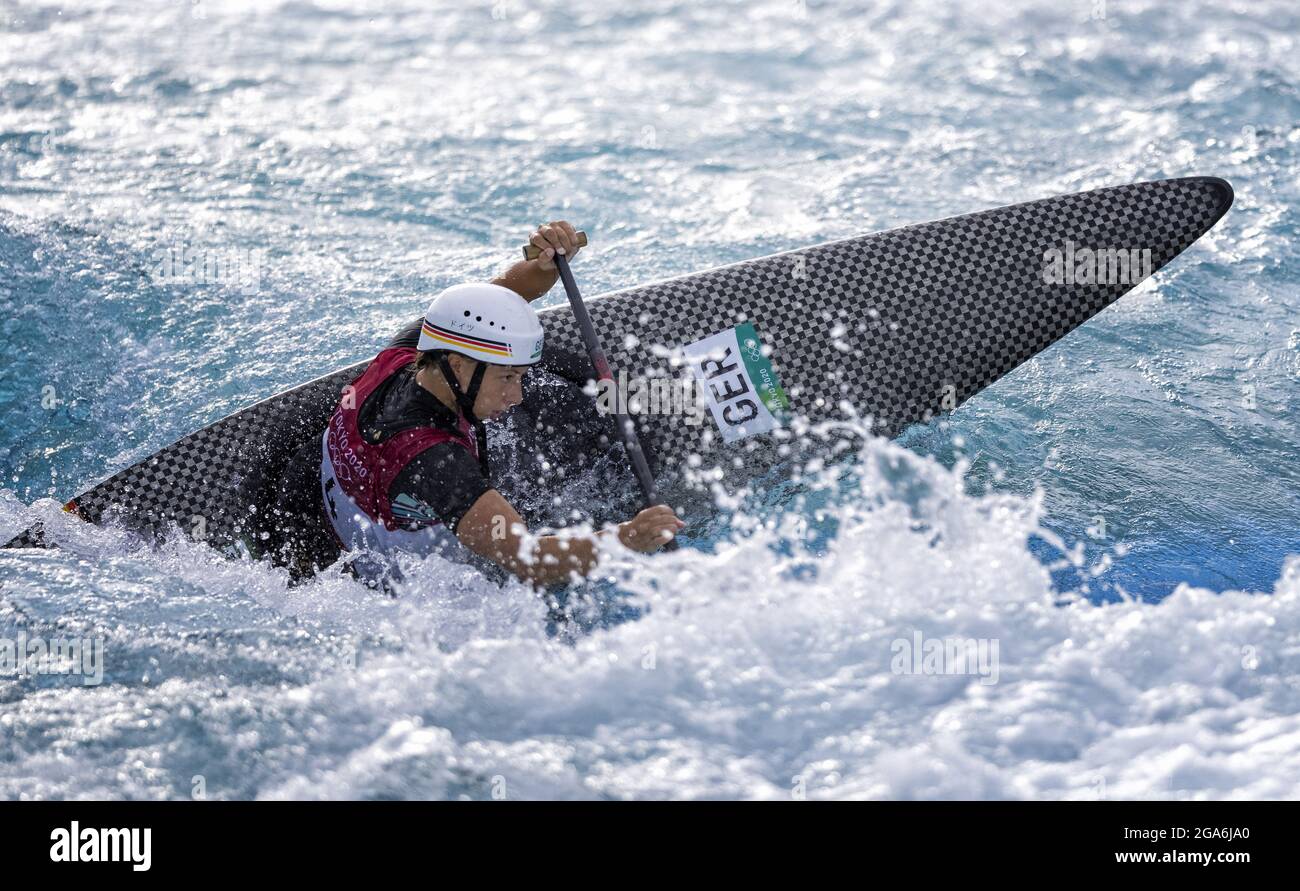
(927, 310)
(951, 304)
(196, 483)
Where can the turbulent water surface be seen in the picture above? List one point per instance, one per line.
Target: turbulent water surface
(1116, 523)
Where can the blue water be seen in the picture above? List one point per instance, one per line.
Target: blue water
(1122, 513)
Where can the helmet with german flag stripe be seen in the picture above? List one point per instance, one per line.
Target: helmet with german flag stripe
(484, 321)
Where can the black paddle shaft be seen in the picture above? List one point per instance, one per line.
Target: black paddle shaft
(626, 430)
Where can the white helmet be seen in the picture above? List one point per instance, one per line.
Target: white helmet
(487, 322)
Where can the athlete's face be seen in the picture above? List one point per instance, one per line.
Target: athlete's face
(501, 390)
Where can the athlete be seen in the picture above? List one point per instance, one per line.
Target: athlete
(403, 464)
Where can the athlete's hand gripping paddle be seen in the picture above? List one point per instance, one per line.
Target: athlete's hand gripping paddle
(626, 430)
(532, 251)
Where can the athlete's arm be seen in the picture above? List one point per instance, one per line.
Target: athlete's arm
(531, 279)
(492, 528)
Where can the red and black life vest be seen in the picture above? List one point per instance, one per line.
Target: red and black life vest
(365, 470)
